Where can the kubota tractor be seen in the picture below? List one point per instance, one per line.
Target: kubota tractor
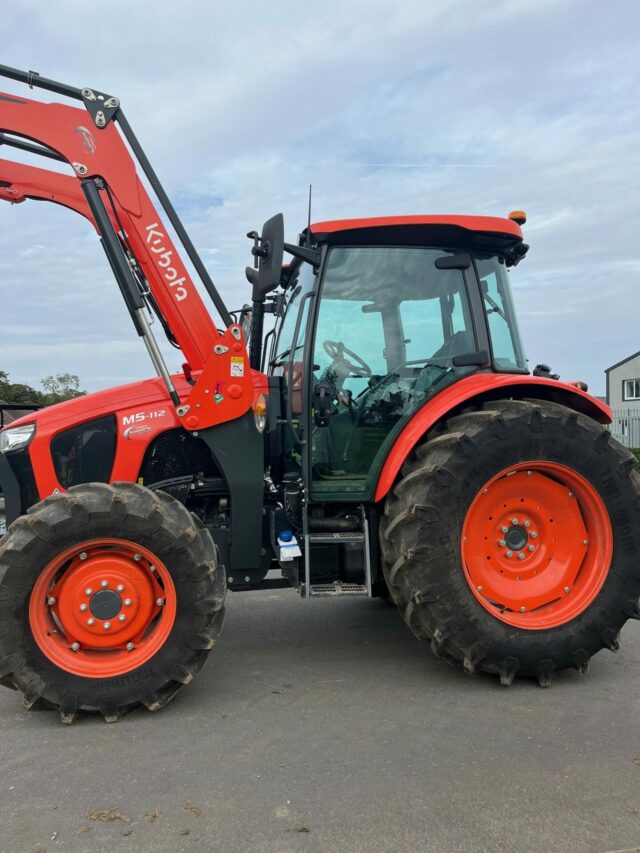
(384, 438)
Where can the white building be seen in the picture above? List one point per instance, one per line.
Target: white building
(623, 395)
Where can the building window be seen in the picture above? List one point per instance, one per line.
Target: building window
(631, 389)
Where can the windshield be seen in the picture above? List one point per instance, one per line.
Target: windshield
(389, 326)
(506, 344)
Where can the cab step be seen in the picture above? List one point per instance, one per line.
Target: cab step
(336, 589)
(337, 537)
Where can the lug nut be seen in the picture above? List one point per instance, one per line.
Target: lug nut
(566, 589)
(104, 584)
(521, 556)
(122, 617)
(152, 568)
(120, 587)
(88, 591)
(502, 543)
(82, 555)
(91, 621)
(504, 529)
(75, 647)
(531, 547)
(51, 600)
(137, 557)
(83, 607)
(514, 521)
(479, 589)
(159, 601)
(130, 647)
(527, 523)
(509, 553)
(106, 625)
(533, 534)
(127, 602)
(523, 610)
(585, 541)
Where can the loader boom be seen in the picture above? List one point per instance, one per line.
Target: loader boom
(108, 190)
(100, 155)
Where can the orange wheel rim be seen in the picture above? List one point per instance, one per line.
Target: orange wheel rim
(102, 608)
(536, 545)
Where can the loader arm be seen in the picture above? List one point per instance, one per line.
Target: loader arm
(101, 154)
(19, 182)
(108, 191)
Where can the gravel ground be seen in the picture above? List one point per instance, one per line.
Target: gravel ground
(324, 726)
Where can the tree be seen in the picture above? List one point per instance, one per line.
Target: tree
(11, 392)
(59, 387)
(62, 386)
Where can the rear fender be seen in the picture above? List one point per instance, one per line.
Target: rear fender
(474, 390)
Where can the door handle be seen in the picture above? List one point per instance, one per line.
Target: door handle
(322, 405)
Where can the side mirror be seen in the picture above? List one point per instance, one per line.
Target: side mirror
(268, 252)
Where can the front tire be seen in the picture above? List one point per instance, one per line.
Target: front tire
(512, 540)
(110, 598)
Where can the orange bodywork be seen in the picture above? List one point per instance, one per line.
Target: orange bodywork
(465, 390)
(477, 224)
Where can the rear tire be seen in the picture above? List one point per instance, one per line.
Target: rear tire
(70, 638)
(439, 565)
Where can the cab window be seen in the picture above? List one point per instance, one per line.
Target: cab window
(299, 287)
(506, 345)
(389, 326)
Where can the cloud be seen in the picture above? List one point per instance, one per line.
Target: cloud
(385, 109)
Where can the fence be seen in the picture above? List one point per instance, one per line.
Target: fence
(10, 412)
(626, 427)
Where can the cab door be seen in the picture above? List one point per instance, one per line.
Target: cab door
(287, 356)
(389, 325)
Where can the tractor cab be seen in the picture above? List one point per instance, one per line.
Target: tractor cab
(389, 313)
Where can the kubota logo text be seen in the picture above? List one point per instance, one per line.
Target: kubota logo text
(155, 240)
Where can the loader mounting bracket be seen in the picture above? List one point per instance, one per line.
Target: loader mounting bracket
(101, 107)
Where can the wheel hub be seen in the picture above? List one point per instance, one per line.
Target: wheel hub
(105, 604)
(516, 537)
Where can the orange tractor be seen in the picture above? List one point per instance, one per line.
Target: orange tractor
(384, 438)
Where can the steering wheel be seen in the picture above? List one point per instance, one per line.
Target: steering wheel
(356, 365)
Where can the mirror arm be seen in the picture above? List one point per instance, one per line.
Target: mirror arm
(311, 256)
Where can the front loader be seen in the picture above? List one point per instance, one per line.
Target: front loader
(384, 438)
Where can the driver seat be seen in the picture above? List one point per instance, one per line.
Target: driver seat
(458, 344)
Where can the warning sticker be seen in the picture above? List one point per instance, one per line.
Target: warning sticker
(237, 365)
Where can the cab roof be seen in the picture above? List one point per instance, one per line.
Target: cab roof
(480, 233)
(476, 224)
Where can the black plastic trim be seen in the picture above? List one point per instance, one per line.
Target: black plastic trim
(244, 472)
(10, 490)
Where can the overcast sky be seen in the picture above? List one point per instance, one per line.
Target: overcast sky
(386, 108)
